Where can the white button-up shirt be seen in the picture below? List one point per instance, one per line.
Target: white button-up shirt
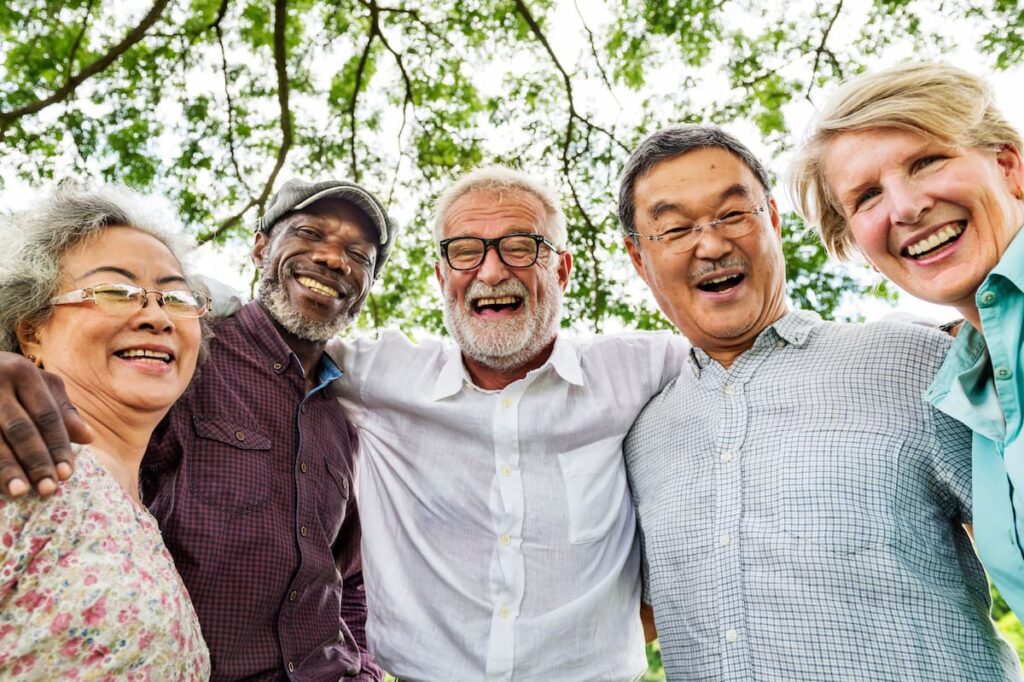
(499, 537)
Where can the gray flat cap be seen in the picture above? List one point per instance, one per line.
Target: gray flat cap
(297, 194)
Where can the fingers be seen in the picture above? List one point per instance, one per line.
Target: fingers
(35, 439)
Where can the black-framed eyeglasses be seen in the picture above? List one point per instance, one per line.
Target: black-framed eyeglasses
(732, 225)
(514, 250)
(119, 297)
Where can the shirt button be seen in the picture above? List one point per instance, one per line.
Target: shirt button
(291, 667)
(278, 365)
(1002, 372)
(303, 532)
(987, 298)
(729, 389)
(731, 635)
(506, 539)
(506, 471)
(726, 457)
(780, 344)
(503, 612)
(725, 540)
(239, 435)
(506, 403)
(303, 468)
(293, 596)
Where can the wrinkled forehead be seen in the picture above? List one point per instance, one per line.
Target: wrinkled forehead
(695, 183)
(501, 211)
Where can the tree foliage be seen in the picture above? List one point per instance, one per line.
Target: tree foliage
(214, 102)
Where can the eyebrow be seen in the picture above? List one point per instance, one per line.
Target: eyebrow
(129, 274)
(738, 189)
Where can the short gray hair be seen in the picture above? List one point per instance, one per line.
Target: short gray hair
(668, 143)
(36, 241)
(502, 179)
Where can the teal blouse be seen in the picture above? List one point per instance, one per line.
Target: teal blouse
(981, 383)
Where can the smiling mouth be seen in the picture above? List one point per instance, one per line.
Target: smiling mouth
(720, 284)
(316, 286)
(154, 356)
(931, 244)
(496, 303)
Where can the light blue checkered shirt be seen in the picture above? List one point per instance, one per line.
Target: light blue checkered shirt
(801, 514)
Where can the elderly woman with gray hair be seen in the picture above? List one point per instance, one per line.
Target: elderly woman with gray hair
(916, 168)
(92, 288)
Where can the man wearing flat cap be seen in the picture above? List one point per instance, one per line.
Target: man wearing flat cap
(250, 476)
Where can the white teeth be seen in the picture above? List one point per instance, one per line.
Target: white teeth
(719, 280)
(501, 300)
(316, 286)
(948, 233)
(141, 354)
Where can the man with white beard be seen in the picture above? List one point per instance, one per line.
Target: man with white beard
(499, 535)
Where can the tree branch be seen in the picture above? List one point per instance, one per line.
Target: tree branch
(822, 49)
(227, 91)
(597, 57)
(98, 66)
(353, 101)
(285, 117)
(78, 38)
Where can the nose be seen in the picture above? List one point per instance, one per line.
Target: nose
(152, 315)
(492, 270)
(333, 259)
(906, 201)
(711, 245)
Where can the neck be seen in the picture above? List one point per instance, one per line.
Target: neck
(491, 378)
(121, 437)
(308, 352)
(727, 353)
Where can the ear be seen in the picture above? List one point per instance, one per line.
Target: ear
(773, 214)
(635, 257)
(564, 268)
(28, 334)
(259, 248)
(1008, 158)
(438, 272)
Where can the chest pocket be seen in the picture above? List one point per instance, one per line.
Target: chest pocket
(837, 487)
(229, 466)
(595, 488)
(334, 492)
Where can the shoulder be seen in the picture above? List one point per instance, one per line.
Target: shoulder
(628, 346)
(886, 337)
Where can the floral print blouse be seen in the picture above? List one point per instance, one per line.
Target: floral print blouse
(88, 591)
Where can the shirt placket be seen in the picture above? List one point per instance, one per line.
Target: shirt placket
(305, 528)
(508, 524)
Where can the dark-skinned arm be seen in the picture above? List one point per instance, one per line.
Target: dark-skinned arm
(38, 424)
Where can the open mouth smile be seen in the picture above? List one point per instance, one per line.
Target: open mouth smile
(145, 355)
(719, 284)
(316, 286)
(937, 240)
(495, 304)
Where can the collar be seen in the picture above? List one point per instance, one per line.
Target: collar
(254, 319)
(794, 329)
(1011, 266)
(564, 359)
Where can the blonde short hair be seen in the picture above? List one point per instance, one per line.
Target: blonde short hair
(938, 101)
(502, 179)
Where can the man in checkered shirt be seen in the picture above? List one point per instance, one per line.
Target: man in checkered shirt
(801, 507)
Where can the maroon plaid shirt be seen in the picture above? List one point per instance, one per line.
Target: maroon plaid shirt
(250, 479)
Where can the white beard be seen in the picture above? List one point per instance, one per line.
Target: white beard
(507, 343)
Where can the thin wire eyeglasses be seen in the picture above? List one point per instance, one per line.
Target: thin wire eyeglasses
(514, 250)
(732, 225)
(117, 297)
